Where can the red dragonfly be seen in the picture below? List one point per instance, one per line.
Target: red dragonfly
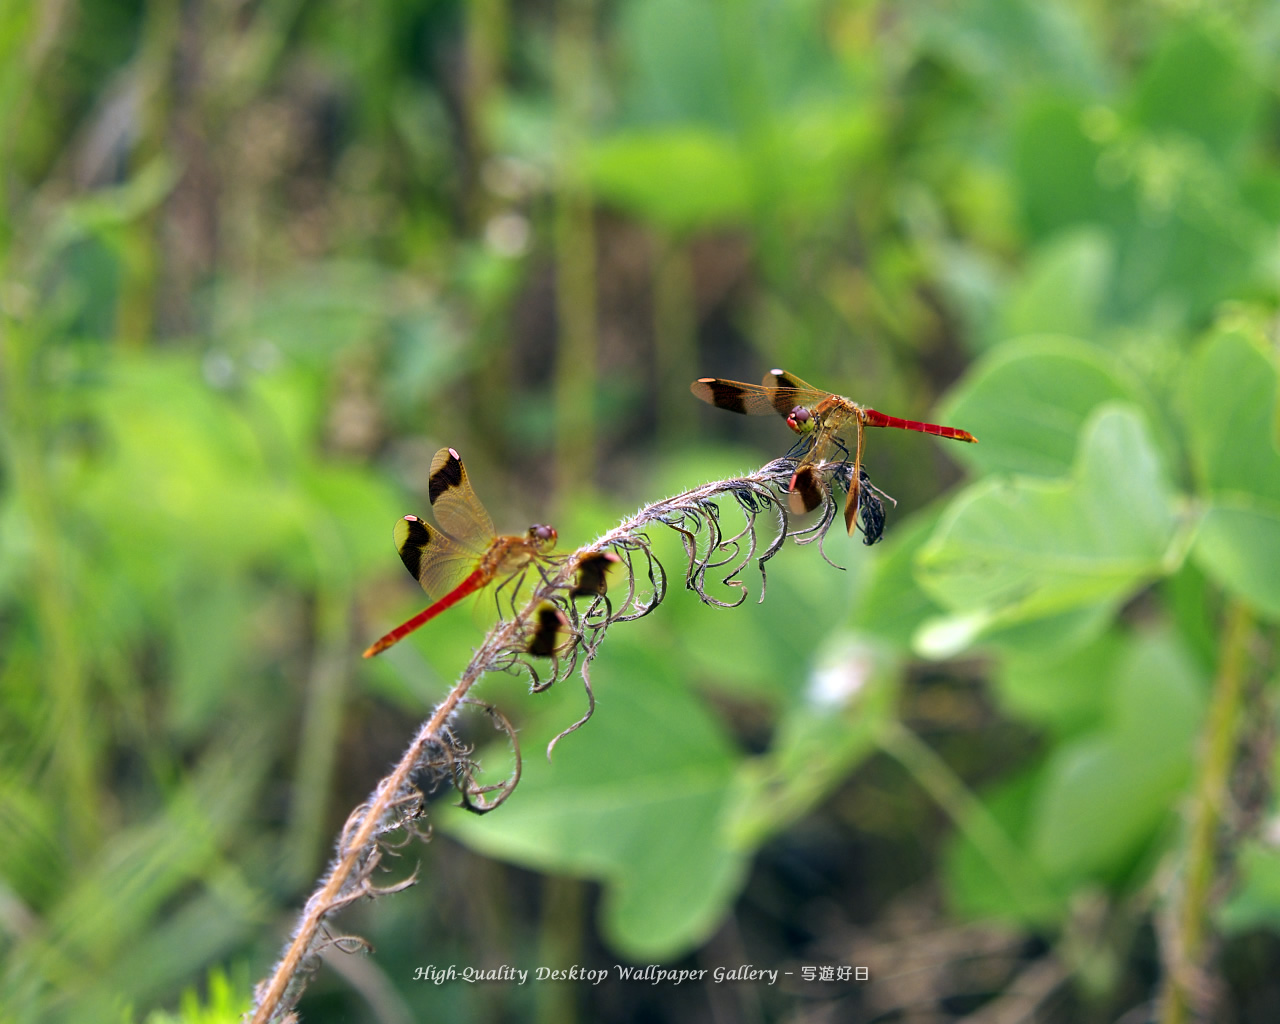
(463, 554)
(820, 416)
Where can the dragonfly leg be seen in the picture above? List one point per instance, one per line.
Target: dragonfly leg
(797, 449)
(853, 498)
(516, 578)
(545, 570)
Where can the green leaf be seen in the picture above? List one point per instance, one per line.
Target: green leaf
(1004, 44)
(225, 1001)
(637, 800)
(1030, 547)
(1050, 636)
(1106, 794)
(1027, 400)
(676, 61)
(1055, 164)
(1239, 546)
(1054, 635)
(1062, 288)
(978, 889)
(1222, 108)
(1256, 900)
(1230, 404)
(681, 177)
(1063, 694)
(1192, 241)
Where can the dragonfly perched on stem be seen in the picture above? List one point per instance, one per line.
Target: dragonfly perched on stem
(463, 553)
(823, 420)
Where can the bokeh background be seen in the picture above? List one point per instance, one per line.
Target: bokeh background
(260, 258)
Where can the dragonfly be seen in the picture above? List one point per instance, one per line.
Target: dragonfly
(463, 553)
(823, 420)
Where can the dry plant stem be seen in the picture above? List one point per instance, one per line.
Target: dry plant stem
(1184, 962)
(693, 515)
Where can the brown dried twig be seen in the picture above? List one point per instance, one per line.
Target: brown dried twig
(521, 644)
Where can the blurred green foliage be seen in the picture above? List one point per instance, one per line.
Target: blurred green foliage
(257, 262)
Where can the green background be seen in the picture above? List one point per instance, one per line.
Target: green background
(258, 261)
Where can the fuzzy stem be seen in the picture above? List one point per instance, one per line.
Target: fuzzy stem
(1185, 960)
(358, 845)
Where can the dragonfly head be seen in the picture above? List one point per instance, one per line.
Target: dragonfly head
(542, 536)
(800, 420)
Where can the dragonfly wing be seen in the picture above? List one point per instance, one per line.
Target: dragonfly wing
(434, 559)
(592, 576)
(733, 395)
(776, 380)
(771, 398)
(806, 491)
(454, 503)
(550, 630)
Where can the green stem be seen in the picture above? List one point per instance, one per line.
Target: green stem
(142, 259)
(970, 815)
(1186, 959)
(575, 250)
(675, 323)
(485, 44)
(322, 725)
(560, 942)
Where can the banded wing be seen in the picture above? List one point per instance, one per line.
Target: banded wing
(806, 490)
(783, 381)
(550, 631)
(592, 575)
(447, 569)
(433, 558)
(780, 394)
(456, 507)
(458, 558)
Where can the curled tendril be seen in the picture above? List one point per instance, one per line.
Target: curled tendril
(475, 797)
(549, 649)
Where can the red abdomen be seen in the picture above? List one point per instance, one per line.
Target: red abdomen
(879, 419)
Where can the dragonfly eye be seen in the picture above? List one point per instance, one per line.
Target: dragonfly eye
(542, 534)
(800, 419)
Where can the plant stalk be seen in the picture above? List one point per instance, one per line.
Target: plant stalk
(1184, 962)
(575, 373)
